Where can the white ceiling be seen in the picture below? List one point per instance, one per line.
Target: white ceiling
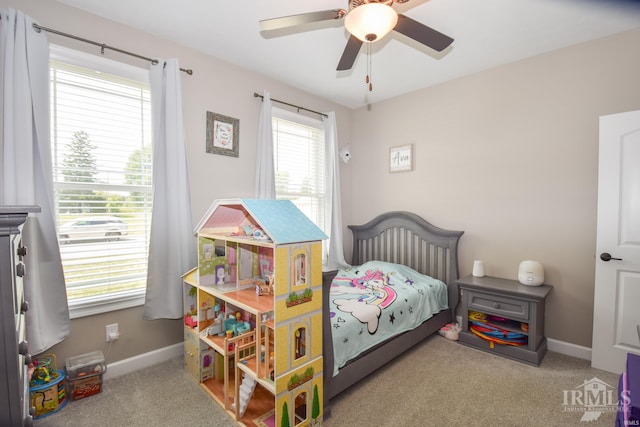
(487, 33)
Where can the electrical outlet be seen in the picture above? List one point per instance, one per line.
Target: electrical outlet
(112, 332)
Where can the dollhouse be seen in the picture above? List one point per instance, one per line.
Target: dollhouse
(253, 312)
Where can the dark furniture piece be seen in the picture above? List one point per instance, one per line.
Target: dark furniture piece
(401, 238)
(628, 391)
(510, 300)
(15, 405)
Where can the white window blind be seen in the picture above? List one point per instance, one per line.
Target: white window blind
(299, 158)
(101, 154)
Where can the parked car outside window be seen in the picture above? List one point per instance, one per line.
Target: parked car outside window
(96, 227)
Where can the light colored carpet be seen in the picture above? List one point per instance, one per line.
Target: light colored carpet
(163, 395)
(444, 383)
(438, 383)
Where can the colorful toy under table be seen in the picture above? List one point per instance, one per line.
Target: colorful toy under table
(46, 387)
(494, 329)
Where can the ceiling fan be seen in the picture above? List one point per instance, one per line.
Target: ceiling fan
(367, 21)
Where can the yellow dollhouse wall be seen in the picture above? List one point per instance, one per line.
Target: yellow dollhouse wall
(286, 401)
(285, 349)
(284, 266)
(298, 375)
(307, 315)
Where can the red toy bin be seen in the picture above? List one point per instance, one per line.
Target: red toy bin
(84, 374)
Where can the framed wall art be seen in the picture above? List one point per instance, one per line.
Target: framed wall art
(401, 158)
(222, 134)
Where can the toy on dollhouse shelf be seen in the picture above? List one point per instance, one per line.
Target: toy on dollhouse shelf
(222, 278)
(251, 230)
(220, 274)
(217, 327)
(191, 320)
(191, 311)
(234, 325)
(206, 311)
(264, 286)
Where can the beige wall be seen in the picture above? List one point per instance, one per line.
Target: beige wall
(509, 156)
(215, 86)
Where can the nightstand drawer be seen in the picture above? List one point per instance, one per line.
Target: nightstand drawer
(511, 308)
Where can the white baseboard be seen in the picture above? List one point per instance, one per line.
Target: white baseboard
(141, 361)
(569, 349)
(144, 360)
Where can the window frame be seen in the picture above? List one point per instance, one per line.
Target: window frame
(279, 113)
(89, 306)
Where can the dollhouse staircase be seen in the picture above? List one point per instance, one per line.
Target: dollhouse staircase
(246, 391)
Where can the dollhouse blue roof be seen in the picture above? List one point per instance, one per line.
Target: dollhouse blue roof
(281, 220)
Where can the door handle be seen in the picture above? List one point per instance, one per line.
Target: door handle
(607, 257)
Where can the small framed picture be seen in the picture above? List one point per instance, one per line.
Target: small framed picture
(401, 158)
(222, 134)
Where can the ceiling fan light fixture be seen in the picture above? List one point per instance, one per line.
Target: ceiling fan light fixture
(370, 22)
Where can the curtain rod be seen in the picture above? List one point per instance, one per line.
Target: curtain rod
(103, 46)
(256, 95)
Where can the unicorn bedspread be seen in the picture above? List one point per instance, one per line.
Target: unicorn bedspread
(376, 301)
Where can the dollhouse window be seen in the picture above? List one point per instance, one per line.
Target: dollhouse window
(300, 269)
(301, 408)
(220, 248)
(300, 343)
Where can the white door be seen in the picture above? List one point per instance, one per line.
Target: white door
(616, 308)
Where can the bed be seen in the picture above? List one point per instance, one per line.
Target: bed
(402, 238)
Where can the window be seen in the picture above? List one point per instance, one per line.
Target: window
(300, 343)
(299, 159)
(101, 155)
(299, 269)
(301, 407)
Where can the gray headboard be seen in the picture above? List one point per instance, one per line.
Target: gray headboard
(405, 238)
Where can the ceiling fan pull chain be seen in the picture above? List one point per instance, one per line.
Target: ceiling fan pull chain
(370, 72)
(368, 79)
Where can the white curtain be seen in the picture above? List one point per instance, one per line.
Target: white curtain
(334, 256)
(265, 187)
(172, 245)
(265, 180)
(27, 177)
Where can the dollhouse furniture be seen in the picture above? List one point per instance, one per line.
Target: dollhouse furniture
(15, 405)
(406, 239)
(512, 307)
(256, 349)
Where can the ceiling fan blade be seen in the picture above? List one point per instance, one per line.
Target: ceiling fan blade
(304, 18)
(350, 53)
(423, 34)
